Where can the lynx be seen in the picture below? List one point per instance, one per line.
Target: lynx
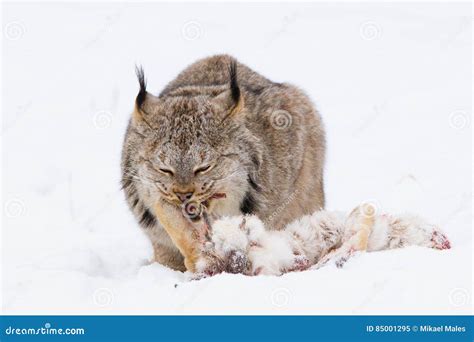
(222, 136)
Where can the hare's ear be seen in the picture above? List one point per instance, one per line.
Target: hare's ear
(145, 103)
(230, 102)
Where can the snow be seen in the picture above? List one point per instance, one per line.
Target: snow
(393, 84)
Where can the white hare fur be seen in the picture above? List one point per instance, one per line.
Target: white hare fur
(242, 244)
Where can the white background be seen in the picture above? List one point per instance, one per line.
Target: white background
(392, 82)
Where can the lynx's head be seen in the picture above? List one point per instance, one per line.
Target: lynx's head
(190, 145)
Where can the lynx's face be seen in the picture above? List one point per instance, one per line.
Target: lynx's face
(189, 156)
(187, 150)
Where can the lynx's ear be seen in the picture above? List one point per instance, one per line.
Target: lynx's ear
(145, 103)
(231, 101)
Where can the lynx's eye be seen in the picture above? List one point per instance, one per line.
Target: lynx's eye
(203, 169)
(166, 171)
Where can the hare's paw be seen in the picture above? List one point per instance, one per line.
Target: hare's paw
(237, 262)
(340, 259)
(300, 263)
(337, 257)
(439, 240)
(411, 230)
(209, 264)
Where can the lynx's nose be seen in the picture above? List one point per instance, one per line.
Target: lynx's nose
(184, 196)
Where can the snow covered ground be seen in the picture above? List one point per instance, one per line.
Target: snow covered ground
(393, 84)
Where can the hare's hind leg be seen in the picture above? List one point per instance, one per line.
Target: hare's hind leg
(411, 230)
(359, 225)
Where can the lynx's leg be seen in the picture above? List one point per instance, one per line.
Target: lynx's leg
(169, 257)
(181, 231)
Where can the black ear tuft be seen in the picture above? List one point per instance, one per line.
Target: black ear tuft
(234, 86)
(142, 81)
